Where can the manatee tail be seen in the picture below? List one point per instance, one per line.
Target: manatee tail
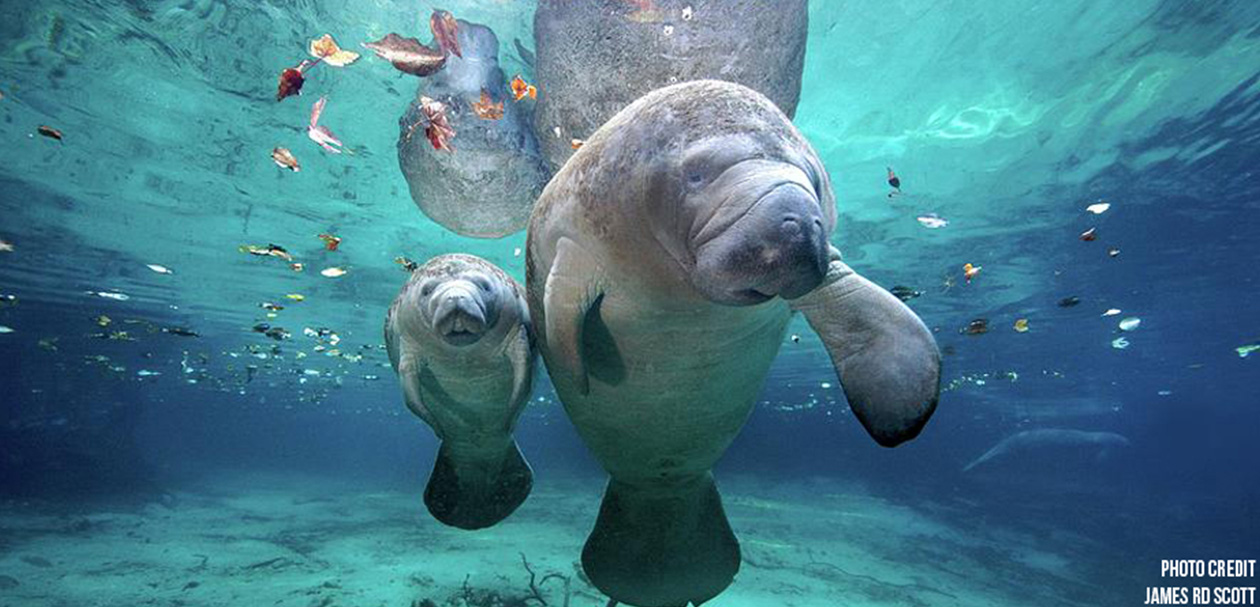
(661, 546)
(477, 492)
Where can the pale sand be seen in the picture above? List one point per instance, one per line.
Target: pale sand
(297, 541)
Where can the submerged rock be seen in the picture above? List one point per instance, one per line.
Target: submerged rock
(594, 57)
(485, 186)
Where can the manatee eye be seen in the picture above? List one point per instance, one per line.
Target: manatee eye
(426, 289)
(482, 283)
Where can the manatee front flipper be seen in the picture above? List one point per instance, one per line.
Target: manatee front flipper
(886, 359)
(572, 288)
(659, 547)
(472, 489)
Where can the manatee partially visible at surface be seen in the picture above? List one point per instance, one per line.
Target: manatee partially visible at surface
(1045, 439)
(664, 262)
(485, 187)
(594, 57)
(458, 336)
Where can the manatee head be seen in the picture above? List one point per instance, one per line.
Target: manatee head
(460, 300)
(737, 196)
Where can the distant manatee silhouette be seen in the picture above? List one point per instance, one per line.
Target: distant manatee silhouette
(1048, 438)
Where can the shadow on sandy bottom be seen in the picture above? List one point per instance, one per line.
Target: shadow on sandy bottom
(305, 542)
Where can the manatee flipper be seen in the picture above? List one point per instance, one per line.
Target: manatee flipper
(570, 291)
(475, 491)
(658, 547)
(409, 369)
(518, 353)
(885, 358)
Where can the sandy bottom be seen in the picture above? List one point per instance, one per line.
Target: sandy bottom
(303, 542)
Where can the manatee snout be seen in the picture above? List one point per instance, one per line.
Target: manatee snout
(778, 248)
(461, 315)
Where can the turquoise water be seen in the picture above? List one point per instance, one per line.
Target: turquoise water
(1006, 119)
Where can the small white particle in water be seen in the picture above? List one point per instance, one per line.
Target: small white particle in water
(826, 385)
(4, 329)
(556, 131)
(516, 252)
(1119, 343)
(669, 29)
(1164, 393)
(687, 13)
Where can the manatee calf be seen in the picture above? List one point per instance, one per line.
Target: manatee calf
(486, 187)
(594, 57)
(1049, 438)
(664, 262)
(458, 336)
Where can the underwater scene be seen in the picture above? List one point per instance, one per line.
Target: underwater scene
(508, 303)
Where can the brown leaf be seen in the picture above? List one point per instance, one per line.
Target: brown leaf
(408, 55)
(49, 132)
(486, 109)
(285, 159)
(522, 89)
(445, 32)
(291, 80)
(439, 130)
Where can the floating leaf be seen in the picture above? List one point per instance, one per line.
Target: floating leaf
(932, 221)
(1111, 312)
(1244, 351)
(1119, 343)
(1068, 302)
(292, 79)
(321, 134)
(296, 297)
(6, 246)
(333, 272)
(49, 132)
(979, 326)
(1089, 235)
(1021, 325)
(4, 329)
(330, 242)
(576, 144)
(522, 89)
(285, 159)
(487, 109)
(438, 131)
(326, 48)
(1098, 208)
(270, 250)
(407, 55)
(159, 269)
(1130, 324)
(445, 32)
(970, 271)
(406, 263)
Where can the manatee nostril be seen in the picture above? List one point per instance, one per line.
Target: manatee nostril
(818, 222)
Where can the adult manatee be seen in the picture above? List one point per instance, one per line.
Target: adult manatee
(1030, 441)
(458, 336)
(664, 262)
(594, 57)
(487, 186)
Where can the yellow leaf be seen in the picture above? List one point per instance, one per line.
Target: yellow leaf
(326, 48)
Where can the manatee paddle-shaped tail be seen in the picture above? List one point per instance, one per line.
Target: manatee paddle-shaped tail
(477, 491)
(885, 358)
(662, 546)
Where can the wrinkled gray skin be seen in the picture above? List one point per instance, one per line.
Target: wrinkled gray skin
(487, 186)
(593, 58)
(458, 336)
(1050, 438)
(664, 262)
